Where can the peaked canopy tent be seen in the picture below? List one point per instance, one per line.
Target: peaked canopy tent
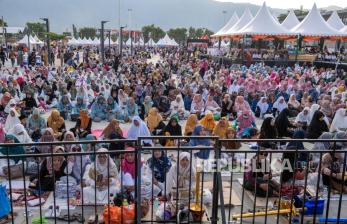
(245, 19)
(174, 43)
(128, 43)
(234, 18)
(140, 42)
(290, 21)
(72, 42)
(335, 21)
(166, 41)
(151, 43)
(40, 42)
(314, 27)
(263, 25)
(31, 40)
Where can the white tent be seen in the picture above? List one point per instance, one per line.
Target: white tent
(38, 41)
(174, 43)
(263, 24)
(234, 18)
(140, 42)
(344, 30)
(315, 25)
(335, 21)
(244, 19)
(290, 21)
(96, 41)
(166, 41)
(72, 41)
(151, 43)
(128, 43)
(24, 40)
(79, 41)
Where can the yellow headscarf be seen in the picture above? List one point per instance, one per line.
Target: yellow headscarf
(191, 123)
(55, 121)
(208, 122)
(153, 118)
(221, 128)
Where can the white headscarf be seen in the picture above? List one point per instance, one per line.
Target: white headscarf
(22, 135)
(339, 121)
(9, 107)
(263, 106)
(111, 171)
(137, 131)
(11, 121)
(179, 105)
(313, 110)
(184, 174)
(304, 118)
(280, 106)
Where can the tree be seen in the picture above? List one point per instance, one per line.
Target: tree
(114, 37)
(55, 36)
(87, 32)
(198, 33)
(74, 31)
(153, 32)
(3, 23)
(38, 29)
(179, 34)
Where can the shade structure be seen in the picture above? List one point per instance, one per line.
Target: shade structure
(38, 41)
(165, 41)
(128, 43)
(151, 43)
(32, 40)
(264, 24)
(335, 21)
(290, 21)
(96, 41)
(315, 25)
(140, 42)
(232, 21)
(344, 30)
(174, 43)
(244, 19)
(72, 42)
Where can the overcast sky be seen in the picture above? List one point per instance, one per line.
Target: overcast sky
(293, 3)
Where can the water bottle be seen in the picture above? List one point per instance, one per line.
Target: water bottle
(325, 192)
(125, 202)
(155, 204)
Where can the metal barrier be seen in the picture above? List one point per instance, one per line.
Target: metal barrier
(182, 189)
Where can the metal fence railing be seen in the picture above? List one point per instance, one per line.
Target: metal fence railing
(214, 181)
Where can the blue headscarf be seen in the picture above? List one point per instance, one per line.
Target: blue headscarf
(202, 154)
(196, 142)
(159, 166)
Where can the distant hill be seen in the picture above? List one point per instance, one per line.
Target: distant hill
(331, 8)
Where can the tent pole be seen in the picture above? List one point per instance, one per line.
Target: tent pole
(297, 48)
(243, 49)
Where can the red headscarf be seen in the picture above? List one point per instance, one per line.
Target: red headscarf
(126, 166)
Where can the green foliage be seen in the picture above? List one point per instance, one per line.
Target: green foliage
(153, 32)
(179, 34)
(113, 37)
(87, 32)
(36, 28)
(196, 33)
(55, 36)
(74, 31)
(3, 23)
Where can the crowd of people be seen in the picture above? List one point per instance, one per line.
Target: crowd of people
(179, 95)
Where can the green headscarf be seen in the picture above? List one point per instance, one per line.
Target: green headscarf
(13, 150)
